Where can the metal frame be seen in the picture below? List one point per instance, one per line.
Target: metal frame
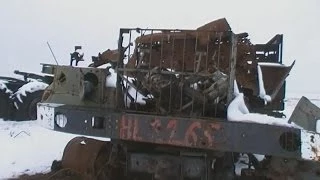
(183, 51)
(202, 134)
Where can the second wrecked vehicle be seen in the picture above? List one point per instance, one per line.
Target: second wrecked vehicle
(177, 106)
(19, 96)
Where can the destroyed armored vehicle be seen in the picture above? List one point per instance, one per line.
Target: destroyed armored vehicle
(180, 104)
(19, 97)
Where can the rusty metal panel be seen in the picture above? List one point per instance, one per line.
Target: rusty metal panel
(217, 25)
(87, 121)
(271, 51)
(306, 114)
(93, 153)
(211, 134)
(274, 77)
(168, 165)
(206, 134)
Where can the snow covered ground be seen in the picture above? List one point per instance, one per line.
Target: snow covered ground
(28, 148)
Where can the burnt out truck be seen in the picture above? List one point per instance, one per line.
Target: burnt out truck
(177, 104)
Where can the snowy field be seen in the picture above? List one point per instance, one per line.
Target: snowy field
(27, 148)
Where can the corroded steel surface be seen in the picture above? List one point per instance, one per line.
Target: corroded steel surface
(193, 56)
(216, 25)
(172, 131)
(86, 156)
(306, 114)
(208, 134)
(168, 165)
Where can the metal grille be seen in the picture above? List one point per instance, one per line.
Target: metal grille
(177, 72)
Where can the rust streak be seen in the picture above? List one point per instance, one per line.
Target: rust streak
(207, 134)
(136, 130)
(125, 128)
(190, 133)
(316, 152)
(156, 125)
(172, 124)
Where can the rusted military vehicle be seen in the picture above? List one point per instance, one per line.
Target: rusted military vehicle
(176, 104)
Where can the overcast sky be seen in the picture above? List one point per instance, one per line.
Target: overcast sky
(26, 26)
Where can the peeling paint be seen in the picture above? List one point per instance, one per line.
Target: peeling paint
(310, 145)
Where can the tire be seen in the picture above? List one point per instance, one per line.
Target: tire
(6, 105)
(27, 109)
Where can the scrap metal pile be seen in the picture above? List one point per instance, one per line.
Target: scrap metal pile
(186, 72)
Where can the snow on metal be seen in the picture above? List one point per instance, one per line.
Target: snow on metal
(235, 88)
(112, 82)
(45, 114)
(238, 111)
(270, 64)
(318, 126)
(104, 66)
(139, 98)
(111, 79)
(3, 86)
(30, 88)
(262, 91)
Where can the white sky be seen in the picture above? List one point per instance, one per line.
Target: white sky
(26, 26)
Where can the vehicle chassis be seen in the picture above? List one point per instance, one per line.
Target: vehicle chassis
(167, 144)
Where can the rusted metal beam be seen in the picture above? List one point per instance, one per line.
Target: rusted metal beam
(232, 67)
(207, 134)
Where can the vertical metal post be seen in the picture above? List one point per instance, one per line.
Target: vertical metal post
(171, 69)
(161, 63)
(232, 66)
(280, 49)
(124, 72)
(119, 97)
(194, 69)
(182, 69)
(206, 71)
